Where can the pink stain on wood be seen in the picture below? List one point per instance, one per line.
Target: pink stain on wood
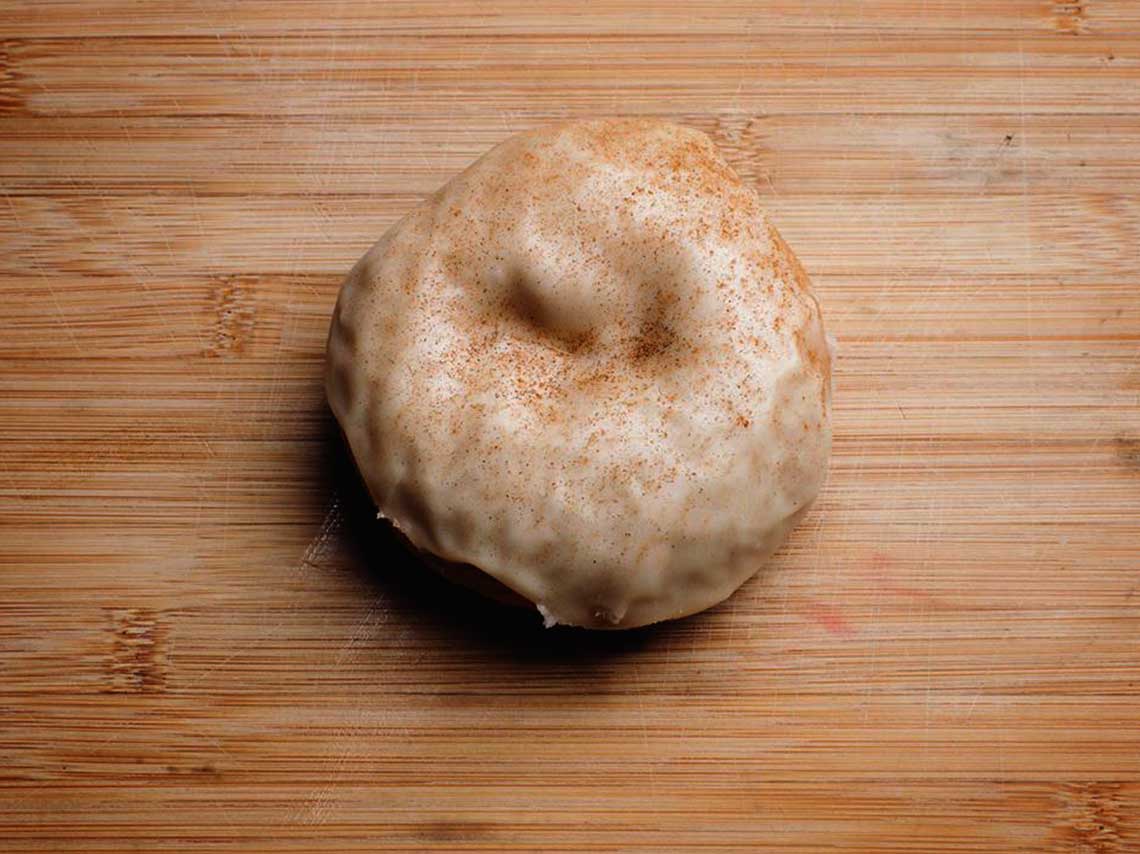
(831, 618)
(883, 580)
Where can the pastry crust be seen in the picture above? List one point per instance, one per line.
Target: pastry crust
(590, 367)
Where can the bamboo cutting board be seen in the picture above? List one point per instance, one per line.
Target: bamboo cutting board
(204, 643)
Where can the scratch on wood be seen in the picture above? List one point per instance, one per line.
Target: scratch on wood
(318, 548)
(315, 552)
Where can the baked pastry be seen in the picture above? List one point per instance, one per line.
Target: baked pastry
(589, 368)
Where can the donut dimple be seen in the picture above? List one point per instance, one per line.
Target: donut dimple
(589, 367)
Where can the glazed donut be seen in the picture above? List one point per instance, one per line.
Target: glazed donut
(589, 368)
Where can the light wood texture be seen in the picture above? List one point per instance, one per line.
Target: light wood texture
(204, 643)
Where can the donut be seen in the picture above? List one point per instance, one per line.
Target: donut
(587, 374)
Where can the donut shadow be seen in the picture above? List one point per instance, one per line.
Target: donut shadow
(380, 559)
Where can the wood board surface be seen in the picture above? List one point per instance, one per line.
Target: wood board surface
(206, 645)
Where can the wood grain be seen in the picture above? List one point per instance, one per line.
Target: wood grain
(54, 18)
(414, 77)
(206, 643)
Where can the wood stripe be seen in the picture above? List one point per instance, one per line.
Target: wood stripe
(476, 19)
(799, 155)
(1060, 235)
(414, 77)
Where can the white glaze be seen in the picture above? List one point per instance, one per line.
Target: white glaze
(590, 367)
